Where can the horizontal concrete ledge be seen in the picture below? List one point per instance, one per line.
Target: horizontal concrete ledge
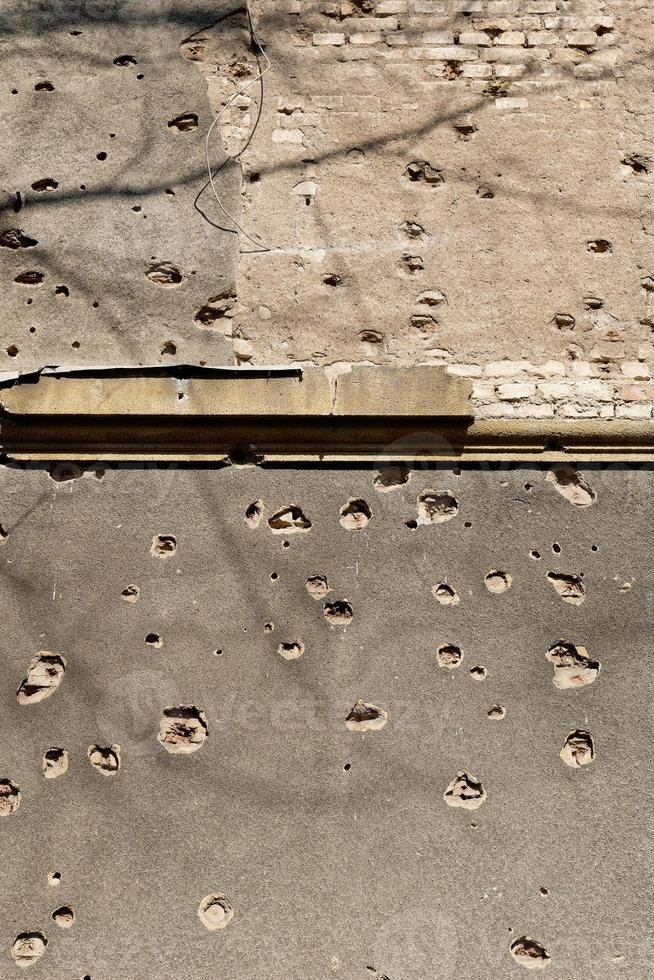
(322, 439)
(362, 391)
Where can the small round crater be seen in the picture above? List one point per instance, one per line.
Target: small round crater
(355, 514)
(465, 791)
(339, 612)
(449, 656)
(215, 911)
(64, 917)
(163, 545)
(317, 586)
(9, 797)
(131, 593)
(183, 729)
(498, 582)
(497, 712)
(366, 717)
(445, 594)
(291, 649)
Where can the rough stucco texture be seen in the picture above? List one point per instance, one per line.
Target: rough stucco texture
(326, 827)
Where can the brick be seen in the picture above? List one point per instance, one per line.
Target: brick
(506, 369)
(633, 411)
(578, 23)
(582, 369)
(465, 370)
(581, 39)
(475, 37)
(391, 7)
(508, 56)
(635, 370)
(502, 8)
(328, 39)
(437, 37)
(598, 391)
(538, 7)
(428, 6)
(609, 56)
(534, 411)
(511, 37)
(397, 39)
(327, 101)
(367, 37)
(511, 105)
(482, 390)
(555, 390)
(287, 136)
(477, 70)
(496, 410)
(551, 369)
(515, 391)
(637, 393)
(540, 38)
(575, 411)
(466, 6)
(510, 71)
(453, 53)
(373, 24)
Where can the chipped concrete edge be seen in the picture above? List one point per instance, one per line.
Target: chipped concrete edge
(362, 391)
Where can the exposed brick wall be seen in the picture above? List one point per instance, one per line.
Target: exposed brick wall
(457, 182)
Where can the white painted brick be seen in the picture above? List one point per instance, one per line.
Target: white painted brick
(511, 37)
(506, 369)
(437, 37)
(287, 136)
(552, 369)
(598, 391)
(607, 411)
(367, 37)
(635, 370)
(633, 411)
(515, 391)
(325, 39)
(539, 38)
(582, 369)
(511, 105)
(510, 71)
(483, 390)
(465, 370)
(574, 411)
(509, 56)
(453, 53)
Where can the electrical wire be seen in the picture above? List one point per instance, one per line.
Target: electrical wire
(258, 49)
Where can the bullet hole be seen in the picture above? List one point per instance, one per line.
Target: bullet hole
(101, 155)
(3, 535)
(184, 123)
(253, 514)
(163, 545)
(431, 297)
(569, 587)
(593, 302)
(55, 763)
(45, 184)
(140, 77)
(365, 717)
(137, 208)
(13, 351)
(529, 953)
(420, 171)
(291, 650)
(452, 70)
(218, 307)
(105, 759)
(578, 750)
(571, 485)
(215, 912)
(154, 640)
(131, 593)
(14, 238)
(465, 791)
(424, 323)
(556, 548)
(599, 246)
(535, 555)
(332, 279)
(436, 507)
(467, 524)
(17, 205)
(183, 729)
(445, 594)
(478, 673)
(573, 666)
(44, 675)
(498, 582)
(355, 515)
(28, 947)
(317, 586)
(356, 155)
(497, 712)
(64, 917)
(62, 291)
(564, 321)
(347, 767)
(390, 477)
(412, 229)
(289, 520)
(371, 337)
(168, 347)
(31, 277)
(268, 627)
(54, 878)
(274, 576)
(464, 131)
(124, 59)
(485, 193)
(44, 87)
(449, 656)
(639, 163)
(170, 192)
(9, 797)
(164, 274)
(339, 612)
(412, 264)
(594, 547)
